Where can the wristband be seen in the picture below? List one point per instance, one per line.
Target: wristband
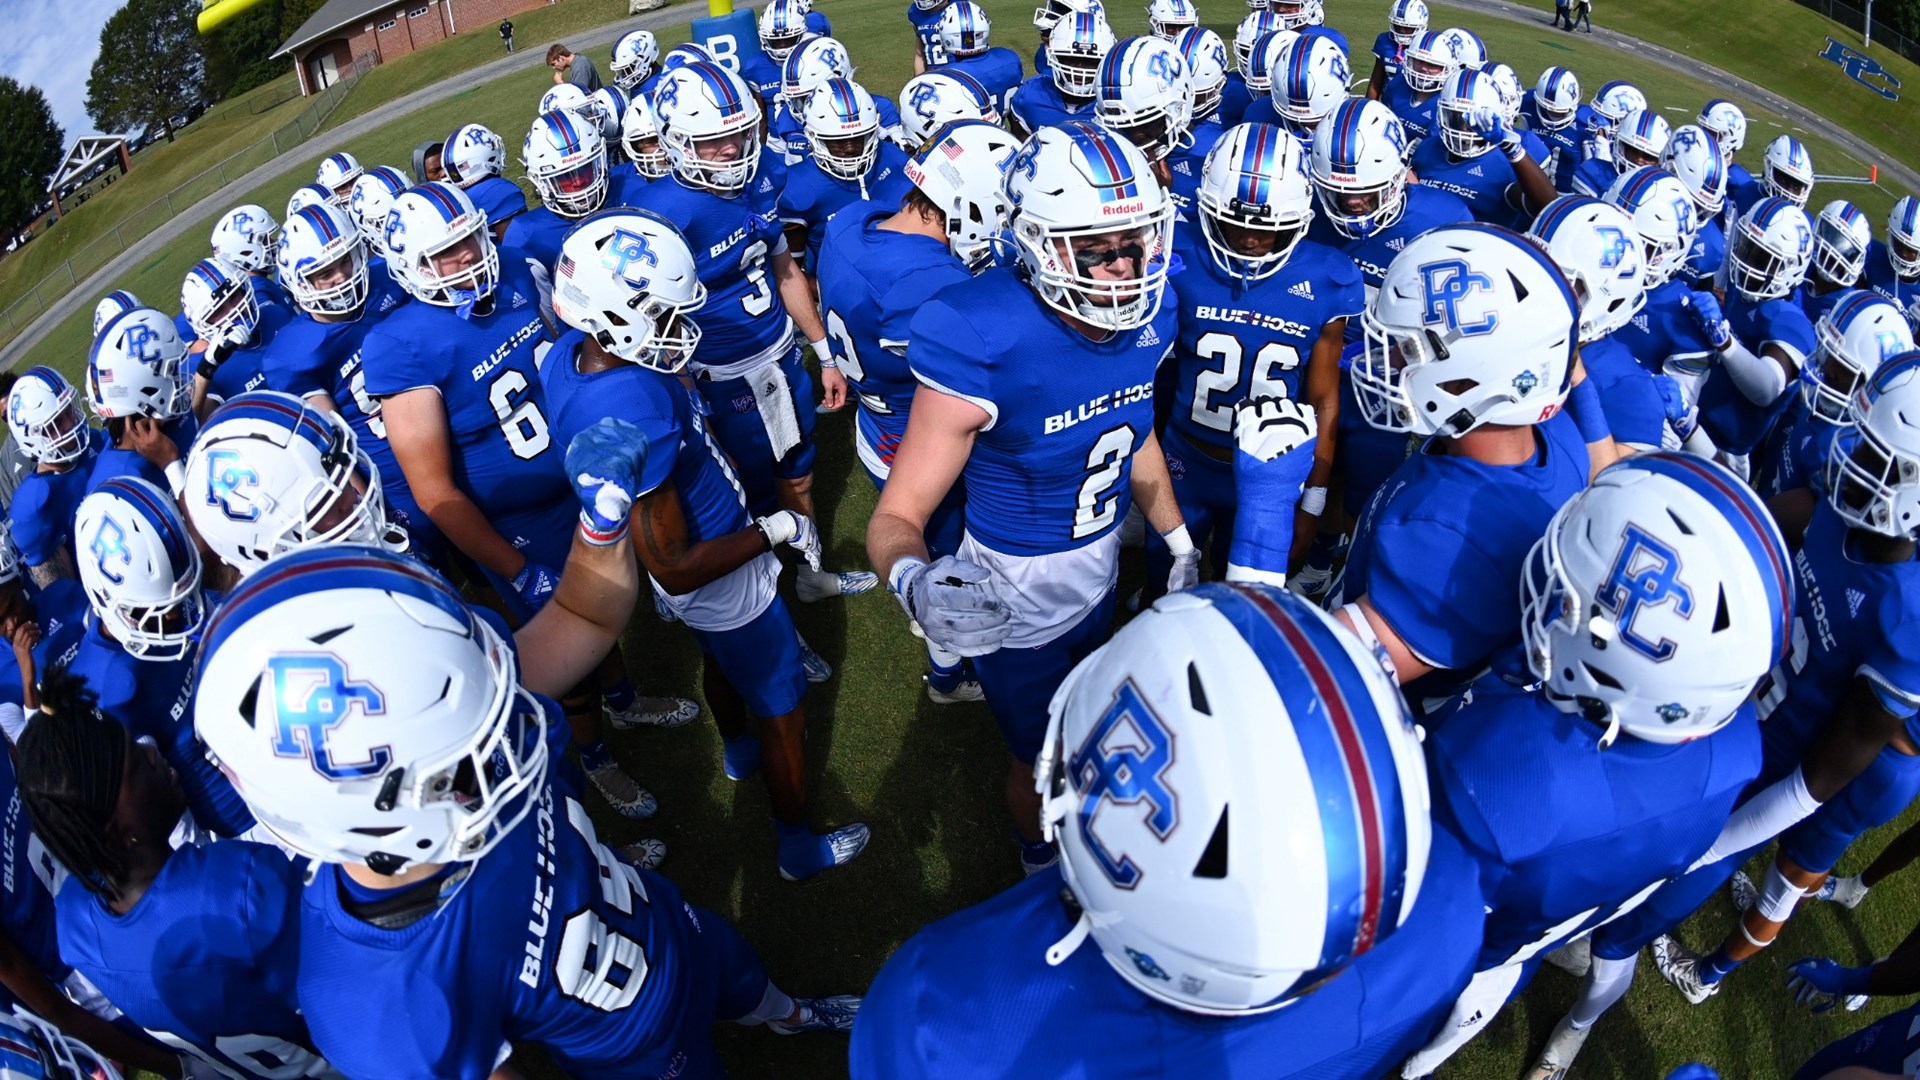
(1589, 416)
(598, 538)
(823, 354)
(176, 472)
(1313, 500)
(1179, 541)
(903, 568)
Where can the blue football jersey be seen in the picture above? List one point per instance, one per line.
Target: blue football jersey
(1854, 619)
(1427, 208)
(553, 940)
(243, 369)
(1735, 422)
(499, 198)
(1262, 111)
(1889, 1046)
(926, 31)
(115, 461)
(1743, 190)
(670, 414)
(997, 69)
(1795, 453)
(812, 196)
(29, 878)
(872, 281)
(1594, 176)
(1706, 256)
(759, 72)
(1187, 166)
(486, 371)
(1391, 54)
(1418, 113)
(1239, 341)
(1440, 548)
(154, 699)
(1881, 278)
(1481, 182)
(1562, 143)
(43, 505)
(922, 1017)
(1815, 303)
(538, 231)
(60, 609)
(1662, 329)
(1037, 103)
(1636, 412)
(1051, 471)
(1566, 834)
(732, 240)
(206, 958)
(1234, 99)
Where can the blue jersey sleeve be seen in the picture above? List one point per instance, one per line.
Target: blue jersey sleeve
(1451, 620)
(1892, 666)
(948, 354)
(37, 531)
(1386, 47)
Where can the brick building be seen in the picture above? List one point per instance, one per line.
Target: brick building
(343, 31)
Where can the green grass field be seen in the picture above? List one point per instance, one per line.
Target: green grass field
(927, 778)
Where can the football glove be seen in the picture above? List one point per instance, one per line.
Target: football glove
(952, 603)
(1274, 440)
(1820, 983)
(796, 530)
(534, 584)
(1704, 308)
(604, 463)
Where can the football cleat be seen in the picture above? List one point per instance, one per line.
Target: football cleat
(1575, 957)
(816, 585)
(1562, 1047)
(1681, 967)
(621, 792)
(821, 1014)
(654, 712)
(645, 854)
(811, 853)
(953, 689)
(818, 670)
(1845, 891)
(1744, 894)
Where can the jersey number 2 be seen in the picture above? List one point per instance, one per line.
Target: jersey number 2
(1099, 497)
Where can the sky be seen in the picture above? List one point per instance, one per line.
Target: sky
(52, 44)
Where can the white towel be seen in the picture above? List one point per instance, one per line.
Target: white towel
(774, 397)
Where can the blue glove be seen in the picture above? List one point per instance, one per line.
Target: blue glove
(1273, 440)
(1682, 418)
(1704, 307)
(535, 584)
(1821, 983)
(604, 464)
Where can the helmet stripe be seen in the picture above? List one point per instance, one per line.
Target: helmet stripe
(272, 409)
(1298, 70)
(1346, 134)
(1111, 172)
(160, 515)
(722, 86)
(330, 567)
(322, 223)
(436, 193)
(1256, 163)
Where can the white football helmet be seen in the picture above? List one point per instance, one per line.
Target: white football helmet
(1466, 92)
(931, 101)
(710, 123)
(1859, 333)
(337, 173)
(43, 415)
(1358, 166)
(405, 738)
(472, 154)
(219, 304)
(1769, 250)
(1614, 102)
(1506, 82)
(1407, 20)
(1873, 470)
(138, 367)
(245, 236)
(1468, 50)
(566, 160)
(806, 70)
(307, 195)
(1079, 184)
(1556, 98)
(1472, 325)
(1903, 238)
(1724, 121)
(635, 56)
(1206, 58)
(962, 172)
(32, 1049)
(269, 474)
(1144, 96)
(965, 28)
(628, 281)
(1662, 213)
(1640, 138)
(782, 25)
(1693, 156)
(1258, 24)
(1309, 82)
(1052, 11)
(110, 305)
(439, 247)
(1658, 599)
(1596, 246)
(1268, 56)
(843, 129)
(1431, 60)
(1167, 18)
(640, 137)
(372, 202)
(608, 106)
(1076, 46)
(1786, 170)
(1210, 703)
(564, 96)
(1840, 238)
(1254, 187)
(140, 569)
(323, 261)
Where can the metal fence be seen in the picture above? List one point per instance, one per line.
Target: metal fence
(139, 223)
(1856, 20)
(262, 102)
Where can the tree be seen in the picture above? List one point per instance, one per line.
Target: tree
(239, 55)
(150, 68)
(29, 153)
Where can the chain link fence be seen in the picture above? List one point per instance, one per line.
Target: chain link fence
(139, 223)
(1856, 20)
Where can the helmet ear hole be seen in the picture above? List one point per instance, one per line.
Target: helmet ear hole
(1213, 860)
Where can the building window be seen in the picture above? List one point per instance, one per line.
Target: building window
(388, 25)
(417, 12)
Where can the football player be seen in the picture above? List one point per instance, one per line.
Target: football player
(44, 418)
(370, 206)
(1664, 336)
(1503, 454)
(137, 386)
(1315, 932)
(878, 266)
(246, 237)
(1855, 337)
(1694, 158)
(1473, 124)
(336, 174)
(476, 159)
(1037, 392)
(1169, 18)
(1611, 104)
(1638, 140)
(1145, 98)
(439, 819)
(1052, 12)
(1307, 81)
(635, 65)
(848, 163)
(1406, 21)
(1066, 89)
(924, 17)
(1893, 264)
(114, 303)
(964, 29)
(1550, 112)
(749, 367)
(1208, 73)
(1841, 240)
(1414, 97)
(628, 288)
(237, 326)
(567, 166)
(1786, 172)
(1263, 312)
(42, 628)
(1647, 633)
(1727, 124)
(815, 62)
(199, 946)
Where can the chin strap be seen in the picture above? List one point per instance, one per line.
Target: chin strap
(1058, 952)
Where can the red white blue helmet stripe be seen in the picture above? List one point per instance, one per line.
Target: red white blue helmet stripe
(1557, 213)
(210, 275)
(1770, 208)
(389, 178)
(321, 221)
(160, 515)
(442, 199)
(1344, 148)
(845, 105)
(282, 411)
(721, 83)
(1257, 164)
(1906, 218)
(1106, 161)
(55, 381)
(1639, 184)
(1298, 84)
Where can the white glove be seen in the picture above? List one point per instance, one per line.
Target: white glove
(951, 601)
(1185, 573)
(797, 530)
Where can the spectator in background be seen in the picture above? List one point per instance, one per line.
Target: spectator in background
(1582, 12)
(570, 67)
(1562, 15)
(506, 33)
